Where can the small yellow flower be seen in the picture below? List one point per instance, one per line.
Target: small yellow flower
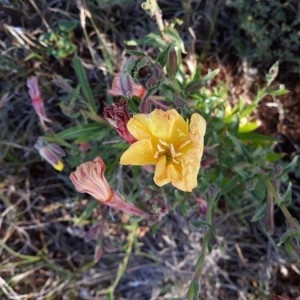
(166, 140)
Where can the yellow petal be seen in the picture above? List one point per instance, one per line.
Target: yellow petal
(181, 128)
(139, 153)
(159, 124)
(161, 174)
(190, 168)
(138, 128)
(197, 129)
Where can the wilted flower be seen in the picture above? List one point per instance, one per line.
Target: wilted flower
(118, 116)
(166, 140)
(123, 85)
(52, 153)
(89, 178)
(36, 100)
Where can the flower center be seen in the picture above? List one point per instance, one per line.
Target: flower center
(169, 151)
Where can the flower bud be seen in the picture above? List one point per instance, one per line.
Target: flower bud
(172, 64)
(52, 153)
(126, 85)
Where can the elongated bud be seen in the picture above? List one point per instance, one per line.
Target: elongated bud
(37, 100)
(126, 84)
(269, 217)
(156, 77)
(172, 64)
(52, 153)
(145, 106)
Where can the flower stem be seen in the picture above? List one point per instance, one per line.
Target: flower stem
(123, 265)
(201, 259)
(158, 16)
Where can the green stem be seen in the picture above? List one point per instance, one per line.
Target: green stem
(158, 17)
(201, 259)
(123, 265)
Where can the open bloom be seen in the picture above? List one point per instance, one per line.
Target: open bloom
(118, 116)
(52, 153)
(89, 178)
(166, 140)
(123, 85)
(36, 100)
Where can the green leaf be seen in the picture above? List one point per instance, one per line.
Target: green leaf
(259, 214)
(288, 168)
(174, 35)
(87, 132)
(194, 86)
(135, 53)
(210, 76)
(260, 191)
(277, 90)
(163, 56)
(291, 241)
(255, 138)
(239, 146)
(286, 198)
(87, 212)
(248, 127)
(230, 184)
(274, 157)
(84, 84)
(153, 40)
(248, 110)
(273, 72)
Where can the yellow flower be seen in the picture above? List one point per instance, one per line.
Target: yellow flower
(166, 140)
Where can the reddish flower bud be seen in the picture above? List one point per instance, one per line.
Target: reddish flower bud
(36, 100)
(118, 116)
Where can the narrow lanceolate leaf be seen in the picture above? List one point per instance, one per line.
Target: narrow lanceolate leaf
(84, 83)
(163, 57)
(85, 132)
(273, 72)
